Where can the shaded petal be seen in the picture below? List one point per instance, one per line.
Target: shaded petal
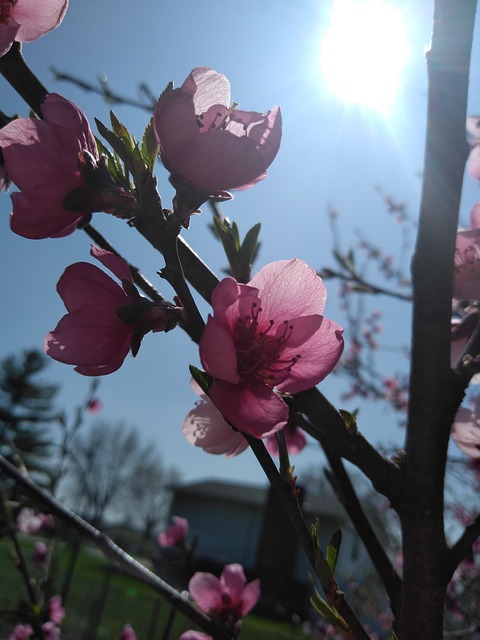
(118, 266)
(174, 122)
(60, 112)
(206, 591)
(475, 216)
(251, 595)
(35, 222)
(217, 352)
(233, 581)
(204, 427)
(8, 33)
(83, 284)
(218, 160)
(466, 276)
(253, 409)
(288, 289)
(294, 439)
(38, 17)
(466, 432)
(89, 338)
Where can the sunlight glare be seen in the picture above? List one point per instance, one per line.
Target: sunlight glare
(364, 52)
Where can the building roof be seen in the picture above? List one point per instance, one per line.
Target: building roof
(325, 504)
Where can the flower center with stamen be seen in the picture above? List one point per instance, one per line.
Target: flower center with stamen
(259, 352)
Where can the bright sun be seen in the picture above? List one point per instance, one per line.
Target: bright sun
(364, 52)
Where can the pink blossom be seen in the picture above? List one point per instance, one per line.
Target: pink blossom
(28, 20)
(40, 553)
(294, 439)
(128, 633)
(209, 146)
(229, 597)
(194, 635)
(205, 427)
(94, 405)
(51, 631)
(466, 430)
(461, 332)
(21, 632)
(30, 522)
(174, 535)
(466, 275)
(105, 320)
(267, 335)
(55, 164)
(473, 136)
(56, 612)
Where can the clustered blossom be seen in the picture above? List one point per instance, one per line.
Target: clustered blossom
(30, 522)
(50, 628)
(56, 165)
(229, 597)
(466, 430)
(176, 534)
(105, 321)
(466, 275)
(208, 145)
(128, 633)
(265, 338)
(28, 20)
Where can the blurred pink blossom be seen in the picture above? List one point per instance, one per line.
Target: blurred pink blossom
(27, 20)
(105, 320)
(205, 427)
(39, 553)
(268, 335)
(30, 522)
(194, 635)
(229, 597)
(51, 631)
(209, 146)
(94, 405)
(466, 275)
(128, 633)
(21, 632)
(473, 136)
(56, 612)
(466, 430)
(55, 164)
(174, 535)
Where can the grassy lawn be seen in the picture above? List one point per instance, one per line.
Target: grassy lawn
(101, 600)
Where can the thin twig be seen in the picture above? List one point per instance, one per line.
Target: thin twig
(114, 552)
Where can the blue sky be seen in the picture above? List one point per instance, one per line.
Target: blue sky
(331, 154)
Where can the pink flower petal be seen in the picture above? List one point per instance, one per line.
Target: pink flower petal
(250, 596)
(253, 409)
(218, 352)
(233, 581)
(290, 288)
(466, 277)
(206, 590)
(84, 284)
(205, 427)
(38, 17)
(118, 266)
(466, 431)
(8, 33)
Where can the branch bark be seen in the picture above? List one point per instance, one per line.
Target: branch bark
(433, 394)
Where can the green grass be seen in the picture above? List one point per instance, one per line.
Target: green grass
(127, 600)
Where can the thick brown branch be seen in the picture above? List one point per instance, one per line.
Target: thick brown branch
(433, 399)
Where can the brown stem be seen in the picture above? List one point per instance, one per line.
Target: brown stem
(16, 71)
(345, 492)
(294, 514)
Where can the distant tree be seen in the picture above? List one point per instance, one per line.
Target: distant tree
(111, 470)
(26, 408)
(150, 496)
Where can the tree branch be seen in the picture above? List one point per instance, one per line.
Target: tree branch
(112, 551)
(433, 399)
